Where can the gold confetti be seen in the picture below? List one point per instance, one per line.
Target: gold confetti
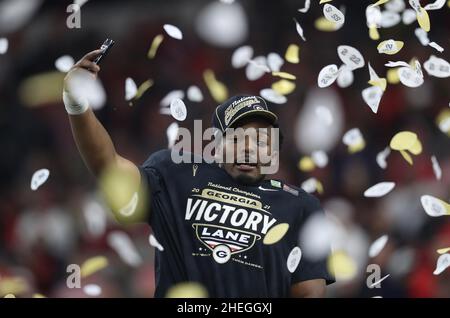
(37, 295)
(324, 1)
(342, 265)
(392, 76)
(283, 87)
(187, 290)
(406, 156)
(373, 33)
(93, 265)
(416, 149)
(390, 47)
(381, 83)
(217, 89)
(403, 140)
(157, 40)
(443, 121)
(357, 147)
(423, 19)
(306, 164)
(285, 75)
(379, 2)
(143, 88)
(443, 250)
(9, 296)
(325, 25)
(275, 233)
(292, 54)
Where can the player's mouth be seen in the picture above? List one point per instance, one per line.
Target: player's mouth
(246, 165)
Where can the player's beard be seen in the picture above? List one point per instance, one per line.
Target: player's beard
(249, 180)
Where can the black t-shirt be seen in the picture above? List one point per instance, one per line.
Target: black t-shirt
(212, 230)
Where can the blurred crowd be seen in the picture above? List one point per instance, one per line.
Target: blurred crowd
(65, 221)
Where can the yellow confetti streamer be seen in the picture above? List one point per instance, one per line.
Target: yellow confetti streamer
(416, 149)
(217, 89)
(357, 147)
(322, 24)
(283, 87)
(157, 40)
(392, 76)
(406, 156)
(324, 1)
(285, 75)
(292, 54)
(423, 19)
(319, 187)
(443, 250)
(306, 164)
(403, 140)
(143, 88)
(275, 233)
(187, 290)
(373, 33)
(342, 265)
(93, 265)
(379, 2)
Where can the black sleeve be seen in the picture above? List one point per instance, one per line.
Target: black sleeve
(312, 269)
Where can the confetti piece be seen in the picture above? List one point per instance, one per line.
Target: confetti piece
(373, 33)
(299, 29)
(403, 140)
(327, 75)
(312, 185)
(350, 57)
(306, 7)
(283, 87)
(306, 164)
(333, 14)
(381, 157)
(379, 281)
(294, 259)
(395, 6)
(354, 140)
(92, 290)
(443, 250)
(397, 64)
(275, 62)
(320, 158)
(378, 3)
(292, 54)
(373, 21)
(157, 40)
(39, 178)
(256, 68)
(436, 46)
(406, 156)
(411, 77)
(187, 290)
(323, 24)
(375, 80)
(173, 31)
(324, 1)
(154, 242)
(389, 19)
(38, 296)
(377, 246)
(422, 36)
(443, 263)
(438, 4)
(434, 207)
(372, 97)
(345, 77)
(272, 96)
(415, 4)
(342, 265)
(178, 109)
(130, 89)
(172, 133)
(284, 75)
(241, 56)
(437, 67)
(93, 265)
(121, 243)
(170, 97)
(130, 207)
(3, 45)
(416, 149)
(443, 121)
(9, 296)
(423, 19)
(217, 89)
(324, 114)
(143, 88)
(409, 16)
(436, 168)
(64, 63)
(194, 94)
(379, 189)
(392, 76)
(390, 47)
(275, 233)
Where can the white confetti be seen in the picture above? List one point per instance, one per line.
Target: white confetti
(444, 125)
(333, 14)
(306, 7)
(275, 62)
(345, 77)
(64, 63)
(433, 206)
(39, 178)
(411, 77)
(389, 19)
(172, 133)
(373, 16)
(309, 185)
(256, 68)
(377, 246)
(324, 115)
(409, 16)
(154, 242)
(178, 109)
(272, 96)
(436, 168)
(123, 245)
(389, 47)
(381, 157)
(95, 217)
(130, 89)
(83, 86)
(241, 56)
(170, 97)
(92, 290)
(442, 264)
(397, 64)
(372, 97)
(4, 45)
(437, 67)
(415, 4)
(352, 137)
(173, 31)
(379, 281)
(436, 46)
(350, 57)
(438, 4)
(320, 158)
(299, 29)
(194, 94)
(422, 35)
(379, 189)
(294, 259)
(395, 6)
(327, 75)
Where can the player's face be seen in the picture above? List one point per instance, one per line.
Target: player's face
(250, 141)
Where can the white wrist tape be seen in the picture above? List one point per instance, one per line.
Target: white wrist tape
(75, 106)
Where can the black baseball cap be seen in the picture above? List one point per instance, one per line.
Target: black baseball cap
(242, 106)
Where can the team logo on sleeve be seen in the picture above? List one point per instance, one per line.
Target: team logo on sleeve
(227, 223)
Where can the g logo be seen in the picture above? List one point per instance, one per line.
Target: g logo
(221, 254)
(257, 107)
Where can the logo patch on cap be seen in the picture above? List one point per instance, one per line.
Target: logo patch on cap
(237, 105)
